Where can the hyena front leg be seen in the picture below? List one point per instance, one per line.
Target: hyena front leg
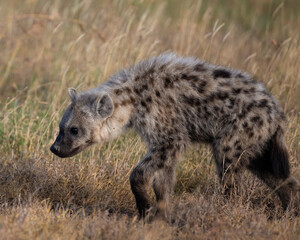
(163, 184)
(157, 166)
(139, 180)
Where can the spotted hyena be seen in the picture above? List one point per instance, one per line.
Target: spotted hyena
(173, 102)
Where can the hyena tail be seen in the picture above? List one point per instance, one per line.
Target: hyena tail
(280, 160)
(279, 155)
(272, 166)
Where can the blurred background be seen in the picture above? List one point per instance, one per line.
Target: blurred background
(48, 46)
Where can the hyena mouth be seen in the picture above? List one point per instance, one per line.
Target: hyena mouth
(70, 154)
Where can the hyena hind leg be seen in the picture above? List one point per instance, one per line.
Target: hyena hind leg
(229, 167)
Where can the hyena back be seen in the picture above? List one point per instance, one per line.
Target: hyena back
(172, 102)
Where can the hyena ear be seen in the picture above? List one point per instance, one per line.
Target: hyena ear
(104, 106)
(73, 94)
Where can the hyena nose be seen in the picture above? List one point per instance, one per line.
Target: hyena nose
(53, 149)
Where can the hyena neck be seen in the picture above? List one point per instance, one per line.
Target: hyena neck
(118, 88)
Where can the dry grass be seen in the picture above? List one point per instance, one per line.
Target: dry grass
(47, 46)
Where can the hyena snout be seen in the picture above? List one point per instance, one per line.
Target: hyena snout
(62, 149)
(68, 146)
(57, 150)
(64, 152)
(54, 149)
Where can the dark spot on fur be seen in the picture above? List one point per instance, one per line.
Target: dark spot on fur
(236, 91)
(239, 147)
(118, 91)
(242, 114)
(136, 90)
(157, 93)
(125, 102)
(260, 123)
(255, 119)
(190, 77)
(221, 73)
(183, 76)
(245, 124)
(263, 103)
(161, 165)
(151, 70)
(231, 103)
(143, 104)
(250, 134)
(216, 108)
(232, 121)
(211, 97)
(226, 149)
(202, 83)
(237, 155)
(132, 100)
(207, 113)
(240, 75)
(149, 99)
(250, 106)
(145, 87)
(163, 154)
(168, 82)
(199, 67)
(193, 101)
(127, 90)
(259, 138)
(222, 95)
(201, 86)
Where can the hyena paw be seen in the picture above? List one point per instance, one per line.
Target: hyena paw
(156, 214)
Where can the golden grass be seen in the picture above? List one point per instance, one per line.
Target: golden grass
(47, 46)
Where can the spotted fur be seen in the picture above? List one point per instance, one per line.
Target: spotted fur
(173, 102)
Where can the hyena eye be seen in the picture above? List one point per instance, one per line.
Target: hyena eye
(74, 131)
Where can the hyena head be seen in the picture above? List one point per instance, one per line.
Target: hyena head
(82, 122)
